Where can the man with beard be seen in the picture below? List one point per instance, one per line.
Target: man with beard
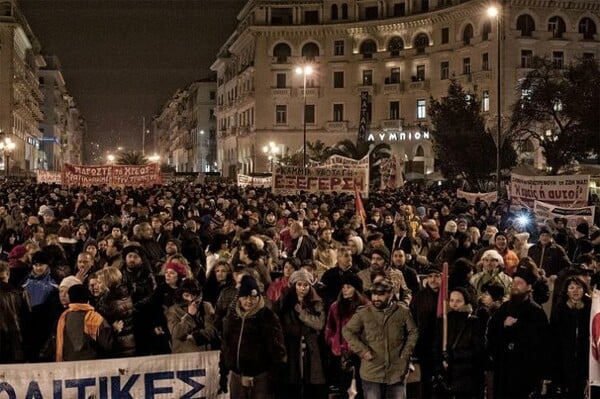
(384, 335)
(518, 339)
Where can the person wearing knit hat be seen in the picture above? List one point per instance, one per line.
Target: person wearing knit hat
(178, 268)
(492, 271)
(462, 224)
(451, 227)
(248, 287)
(353, 280)
(494, 291)
(64, 287)
(300, 275)
(172, 246)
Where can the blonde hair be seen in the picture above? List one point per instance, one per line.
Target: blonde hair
(110, 277)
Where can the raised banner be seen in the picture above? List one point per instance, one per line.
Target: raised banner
(543, 211)
(364, 115)
(565, 191)
(48, 177)
(472, 197)
(254, 181)
(111, 175)
(290, 180)
(182, 376)
(337, 161)
(391, 173)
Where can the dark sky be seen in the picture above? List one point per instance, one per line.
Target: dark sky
(123, 59)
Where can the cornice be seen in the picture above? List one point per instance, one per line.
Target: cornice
(580, 5)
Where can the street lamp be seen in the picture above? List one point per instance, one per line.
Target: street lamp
(494, 12)
(154, 158)
(7, 146)
(305, 71)
(271, 152)
(111, 158)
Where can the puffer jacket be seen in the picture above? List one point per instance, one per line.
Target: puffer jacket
(191, 333)
(390, 335)
(116, 305)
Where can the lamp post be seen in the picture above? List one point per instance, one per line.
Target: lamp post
(7, 146)
(111, 158)
(271, 151)
(494, 12)
(305, 71)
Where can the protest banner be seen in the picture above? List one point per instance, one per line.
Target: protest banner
(471, 197)
(111, 175)
(254, 181)
(48, 177)
(544, 211)
(391, 173)
(183, 376)
(564, 191)
(289, 180)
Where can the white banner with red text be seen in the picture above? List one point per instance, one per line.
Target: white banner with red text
(182, 376)
(48, 177)
(253, 181)
(111, 175)
(574, 216)
(290, 180)
(472, 197)
(565, 191)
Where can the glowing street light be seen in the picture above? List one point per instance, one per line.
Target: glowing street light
(271, 151)
(305, 71)
(111, 158)
(7, 146)
(154, 158)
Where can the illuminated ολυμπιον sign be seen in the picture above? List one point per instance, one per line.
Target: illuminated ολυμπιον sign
(398, 136)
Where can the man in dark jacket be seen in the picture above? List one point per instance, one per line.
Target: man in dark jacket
(547, 255)
(332, 278)
(14, 310)
(253, 345)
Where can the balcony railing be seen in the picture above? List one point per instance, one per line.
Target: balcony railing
(281, 92)
(395, 124)
(419, 85)
(393, 88)
(341, 126)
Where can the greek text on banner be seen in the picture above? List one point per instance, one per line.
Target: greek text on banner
(291, 180)
(111, 175)
(565, 191)
(182, 376)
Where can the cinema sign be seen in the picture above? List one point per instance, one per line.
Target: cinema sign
(398, 136)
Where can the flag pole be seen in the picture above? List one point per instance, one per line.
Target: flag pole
(444, 293)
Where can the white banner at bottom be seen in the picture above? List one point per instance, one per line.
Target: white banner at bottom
(183, 376)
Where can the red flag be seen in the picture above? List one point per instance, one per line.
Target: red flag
(360, 208)
(443, 292)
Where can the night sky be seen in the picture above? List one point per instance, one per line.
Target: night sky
(122, 60)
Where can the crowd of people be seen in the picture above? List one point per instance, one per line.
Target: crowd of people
(303, 297)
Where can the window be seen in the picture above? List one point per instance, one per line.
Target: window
(421, 42)
(338, 79)
(556, 25)
(281, 114)
(309, 113)
(367, 77)
(282, 51)
(525, 24)
(421, 109)
(558, 59)
(588, 56)
(420, 73)
(445, 70)
(485, 62)
(338, 112)
(424, 5)
(334, 12)
(395, 75)
(485, 102)
(466, 66)
(338, 47)
(344, 11)
(41, 80)
(310, 50)
(526, 58)
(557, 105)
(212, 95)
(281, 81)
(371, 13)
(395, 46)
(281, 16)
(311, 17)
(420, 152)
(468, 34)
(587, 28)
(395, 110)
(445, 35)
(368, 48)
(486, 30)
(399, 10)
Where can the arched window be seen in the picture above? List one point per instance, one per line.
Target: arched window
(334, 12)
(368, 48)
(420, 152)
(310, 50)
(557, 26)
(282, 51)
(486, 29)
(587, 28)
(344, 11)
(468, 34)
(395, 46)
(421, 42)
(525, 24)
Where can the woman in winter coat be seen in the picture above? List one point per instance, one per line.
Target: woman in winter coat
(219, 277)
(460, 365)
(302, 317)
(570, 326)
(280, 286)
(116, 306)
(341, 311)
(325, 255)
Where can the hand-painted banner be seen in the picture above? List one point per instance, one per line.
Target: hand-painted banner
(289, 180)
(253, 181)
(111, 175)
(189, 375)
(565, 191)
(48, 177)
(471, 197)
(545, 211)
(391, 173)
(337, 161)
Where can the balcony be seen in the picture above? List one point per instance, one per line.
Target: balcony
(390, 89)
(480, 76)
(392, 124)
(371, 89)
(341, 126)
(285, 92)
(310, 92)
(419, 85)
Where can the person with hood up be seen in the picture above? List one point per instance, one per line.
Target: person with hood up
(253, 345)
(493, 265)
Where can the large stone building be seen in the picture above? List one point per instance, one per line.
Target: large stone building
(402, 52)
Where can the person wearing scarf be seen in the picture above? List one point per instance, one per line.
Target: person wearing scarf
(81, 332)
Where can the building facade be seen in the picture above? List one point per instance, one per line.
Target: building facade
(20, 95)
(400, 52)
